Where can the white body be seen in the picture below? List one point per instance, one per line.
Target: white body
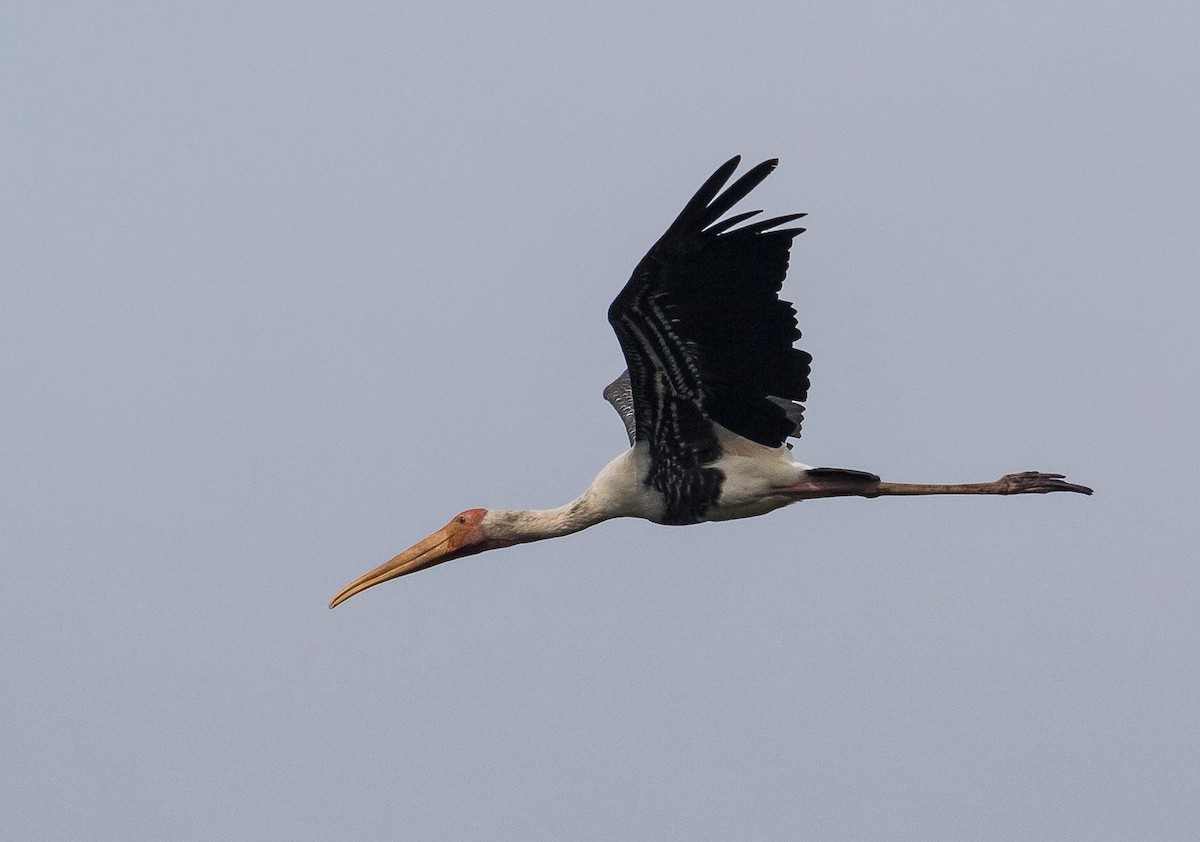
(753, 474)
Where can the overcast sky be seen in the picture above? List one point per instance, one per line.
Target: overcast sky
(286, 287)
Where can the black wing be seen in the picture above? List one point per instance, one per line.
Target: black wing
(706, 338)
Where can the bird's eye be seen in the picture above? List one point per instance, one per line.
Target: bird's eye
(462, 519)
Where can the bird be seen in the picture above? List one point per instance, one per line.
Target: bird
(712, 391)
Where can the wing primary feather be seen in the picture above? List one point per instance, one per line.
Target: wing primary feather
(708, 191)
(737, 191)
(726, 224)
(766, 224)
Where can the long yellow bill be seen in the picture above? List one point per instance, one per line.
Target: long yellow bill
(435, 549)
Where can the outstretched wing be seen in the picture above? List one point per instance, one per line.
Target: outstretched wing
(707, 339)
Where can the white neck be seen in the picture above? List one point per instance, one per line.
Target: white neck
(537, 524)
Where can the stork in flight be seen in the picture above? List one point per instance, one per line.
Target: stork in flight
(709, 398)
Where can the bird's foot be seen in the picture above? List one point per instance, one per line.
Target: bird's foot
(1032, 482)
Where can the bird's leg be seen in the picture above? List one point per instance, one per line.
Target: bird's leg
(838, 482)
(1026, 482)
(833, 482)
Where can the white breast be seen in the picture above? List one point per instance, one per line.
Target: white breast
(619, 489)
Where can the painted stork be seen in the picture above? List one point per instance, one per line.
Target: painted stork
(709, 398)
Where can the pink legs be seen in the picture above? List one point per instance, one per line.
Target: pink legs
(1026, 482)
(836, 482)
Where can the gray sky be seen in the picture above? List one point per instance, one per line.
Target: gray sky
(287, 287)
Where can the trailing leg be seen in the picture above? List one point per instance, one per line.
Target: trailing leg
(840, 482)
(1026, 482)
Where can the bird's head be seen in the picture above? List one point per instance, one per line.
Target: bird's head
(466, 534)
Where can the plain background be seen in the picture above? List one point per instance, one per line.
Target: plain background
(286, 286)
